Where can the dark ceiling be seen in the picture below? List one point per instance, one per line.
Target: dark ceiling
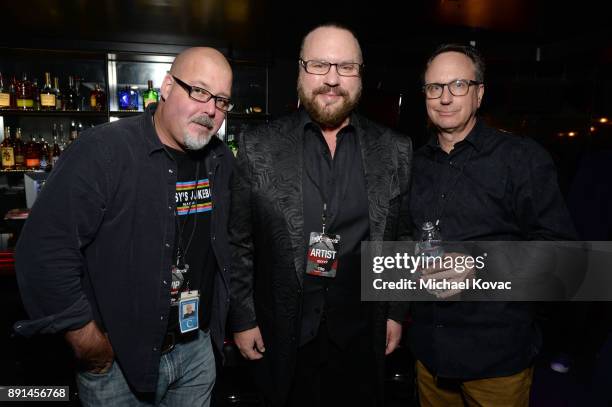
(275, 27)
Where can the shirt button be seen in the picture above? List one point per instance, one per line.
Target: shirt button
(161, 318)
(214, 237)
(155, 349)
(171, 171)
(443, 196)
(439, 326)
(167, 245)
(450, 162)
(165, 282)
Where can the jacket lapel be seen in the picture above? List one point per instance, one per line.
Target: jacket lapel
(377, 167)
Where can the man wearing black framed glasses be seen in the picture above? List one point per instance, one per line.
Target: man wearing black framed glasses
(480, 184)
(134, 223)
(310, 188)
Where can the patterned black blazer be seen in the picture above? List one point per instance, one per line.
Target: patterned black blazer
(267, 239)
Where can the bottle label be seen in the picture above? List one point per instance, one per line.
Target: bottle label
(92, 100)
(33, 163)
(47, 100)
(148, 101)
(8, 158)
(19, 159)
(5, 100)
(25, 103)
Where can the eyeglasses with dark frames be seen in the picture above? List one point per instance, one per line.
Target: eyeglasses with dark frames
(202, 95)
(459, 87)
(323, 67)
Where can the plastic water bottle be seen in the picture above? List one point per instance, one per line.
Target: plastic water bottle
(430, 243)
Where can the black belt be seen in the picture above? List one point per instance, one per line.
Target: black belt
(173, 338)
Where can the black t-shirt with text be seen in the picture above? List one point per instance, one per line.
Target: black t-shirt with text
(194, 208)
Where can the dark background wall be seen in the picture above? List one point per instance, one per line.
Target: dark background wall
(548, 62)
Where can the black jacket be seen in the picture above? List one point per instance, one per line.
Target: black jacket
(98, 243)
(267, 238)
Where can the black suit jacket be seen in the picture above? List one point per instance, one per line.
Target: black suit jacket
(267, 239)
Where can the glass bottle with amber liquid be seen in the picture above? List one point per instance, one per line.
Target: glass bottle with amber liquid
(5, 95)
(32, 155)
(47, 94)
(23, 94)
(58, 93)
(19, 150)
(97, 99)
(7, 150)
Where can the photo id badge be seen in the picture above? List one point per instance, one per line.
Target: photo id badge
(189, 305)
(323, 255)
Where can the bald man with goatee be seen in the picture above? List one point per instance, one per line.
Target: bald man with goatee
(130, 231)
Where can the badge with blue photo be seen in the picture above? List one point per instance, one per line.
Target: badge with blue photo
(188, 314)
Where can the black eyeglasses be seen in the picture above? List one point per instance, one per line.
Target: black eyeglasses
(459, 87)
(202, 95)
(322, 67)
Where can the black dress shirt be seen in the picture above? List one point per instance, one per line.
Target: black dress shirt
(340, 183)
(491, 186)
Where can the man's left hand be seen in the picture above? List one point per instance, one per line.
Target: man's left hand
(394, 334)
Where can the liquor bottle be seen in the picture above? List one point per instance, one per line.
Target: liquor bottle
(35, 95)
(128, 98)
(150, 95)
(62, 137)
(5, 96)
(32, 155)
(58, 93)
(97, 99)
(232, 144)
(70, 96)
(55, 150)
(45, 155)
(79, 101)
(47, 94)
(73, 132)
(23, 94)
(13, 93)
(7, 150)
(19, 149)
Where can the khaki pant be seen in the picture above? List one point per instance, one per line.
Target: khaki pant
(508, 391)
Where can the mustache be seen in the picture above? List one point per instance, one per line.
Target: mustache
(336, 90)
(204, 120)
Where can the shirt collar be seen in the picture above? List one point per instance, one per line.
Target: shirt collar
(475, 138)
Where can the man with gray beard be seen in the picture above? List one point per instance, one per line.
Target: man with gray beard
(309, 189)
(125, 252)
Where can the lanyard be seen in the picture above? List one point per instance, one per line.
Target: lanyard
(180, 252)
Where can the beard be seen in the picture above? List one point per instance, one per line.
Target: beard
(331, 115)
(200, 140)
